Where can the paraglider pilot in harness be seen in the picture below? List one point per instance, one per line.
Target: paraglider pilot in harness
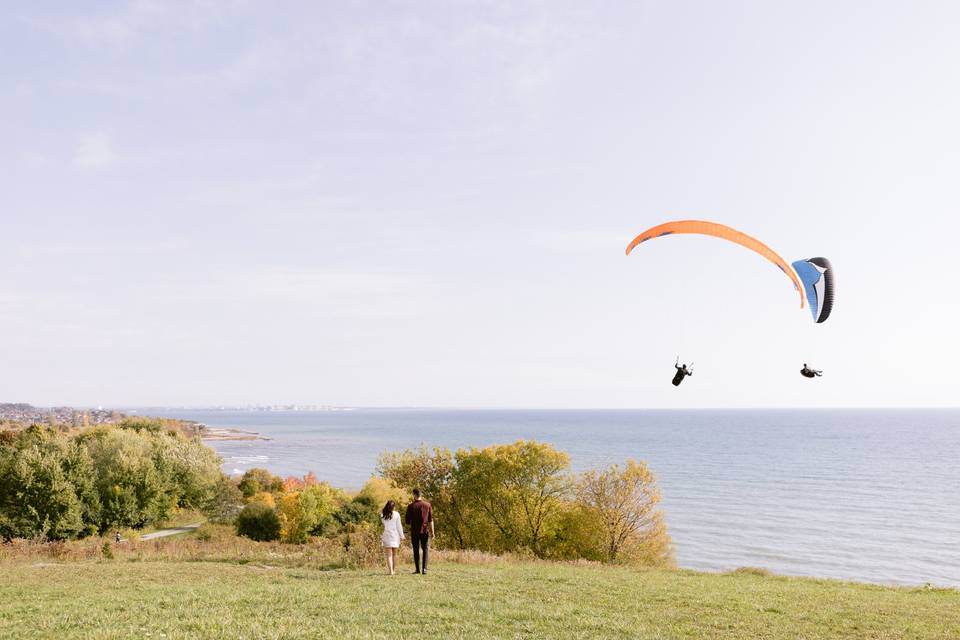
(682, 372)
(807, 372)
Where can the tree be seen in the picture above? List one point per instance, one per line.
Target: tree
(520, 488)
(379, 490)
(258, 522)
(144, 474)
(45, 487)
(431, 471)
(191, 469)
(225, 502)
(305, 512)
(622, 502)
(263, 497)
(360, 510)
(132, 490)
(256, 480)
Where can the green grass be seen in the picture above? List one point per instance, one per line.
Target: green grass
(172, 599)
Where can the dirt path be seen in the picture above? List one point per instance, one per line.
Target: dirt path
(163, 533)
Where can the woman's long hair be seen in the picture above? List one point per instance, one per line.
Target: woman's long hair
(387, 512)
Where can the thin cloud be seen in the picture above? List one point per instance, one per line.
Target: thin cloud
(132, 21)
(95, 151)
(33, 160)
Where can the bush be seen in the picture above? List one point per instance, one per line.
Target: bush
(361, 509)
(256, 481)
(258, 522)
(307, 511)
(226, 501)
(144, 475)
(379, 490)
(46, 490)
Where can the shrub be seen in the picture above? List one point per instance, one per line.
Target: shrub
(263, 498)
(361, 548)
(379, 490)
(258, 522)
(361, 509)
(225, 502)
(256, 481)
(305, 512)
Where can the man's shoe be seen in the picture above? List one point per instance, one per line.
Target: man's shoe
(417, 571)
(424, 572)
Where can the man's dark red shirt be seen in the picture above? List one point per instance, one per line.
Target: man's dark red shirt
(419, 516)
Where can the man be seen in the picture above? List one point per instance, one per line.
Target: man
(682, 372)
(807, 372)
(420, 519)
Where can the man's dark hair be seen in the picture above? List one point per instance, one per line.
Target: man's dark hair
(416, 493)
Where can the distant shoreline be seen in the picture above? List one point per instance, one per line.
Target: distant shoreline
(220, 434)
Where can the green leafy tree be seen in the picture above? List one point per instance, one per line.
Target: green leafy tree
(257, 480)
(225, 502)
(144, 475)
(190, 469)
(133, 491)
(258, 522)
(362, 509)
(45, 487)
(520, 489)
(432, 471)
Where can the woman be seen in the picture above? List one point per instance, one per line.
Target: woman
(392, 534)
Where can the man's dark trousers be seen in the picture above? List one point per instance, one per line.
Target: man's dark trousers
(420, 541)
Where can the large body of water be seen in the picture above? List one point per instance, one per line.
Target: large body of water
(864, 495)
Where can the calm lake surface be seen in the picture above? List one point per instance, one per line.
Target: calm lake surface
(854, 494)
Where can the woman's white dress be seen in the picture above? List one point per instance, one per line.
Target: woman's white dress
(392, 531)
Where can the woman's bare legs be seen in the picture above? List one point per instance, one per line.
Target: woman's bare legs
(393, 561)
(388, 552)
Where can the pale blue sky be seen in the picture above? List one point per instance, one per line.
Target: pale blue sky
(426, 203)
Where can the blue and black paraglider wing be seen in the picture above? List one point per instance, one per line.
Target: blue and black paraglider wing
(817, 277)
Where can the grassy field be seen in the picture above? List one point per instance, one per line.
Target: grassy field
(178, 599)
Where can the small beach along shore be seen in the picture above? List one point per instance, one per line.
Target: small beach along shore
(228, 433)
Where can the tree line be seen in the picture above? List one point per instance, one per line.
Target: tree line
(523, 497)
(516, 498)
(58, 486)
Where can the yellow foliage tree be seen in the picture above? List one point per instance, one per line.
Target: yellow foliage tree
(302, 512)
(291, 517)
(264, 497)
(623, 504)
(379, 490)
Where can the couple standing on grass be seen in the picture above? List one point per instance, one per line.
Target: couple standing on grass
(420, 519)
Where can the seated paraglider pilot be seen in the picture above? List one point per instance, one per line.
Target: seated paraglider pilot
(807, 372)
(682, 372)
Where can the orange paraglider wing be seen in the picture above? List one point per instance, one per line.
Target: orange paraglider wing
(716, 230)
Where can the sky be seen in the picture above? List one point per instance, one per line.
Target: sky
(427, 203)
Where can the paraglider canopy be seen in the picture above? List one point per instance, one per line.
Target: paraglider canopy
(724, 232)
(817, 276)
